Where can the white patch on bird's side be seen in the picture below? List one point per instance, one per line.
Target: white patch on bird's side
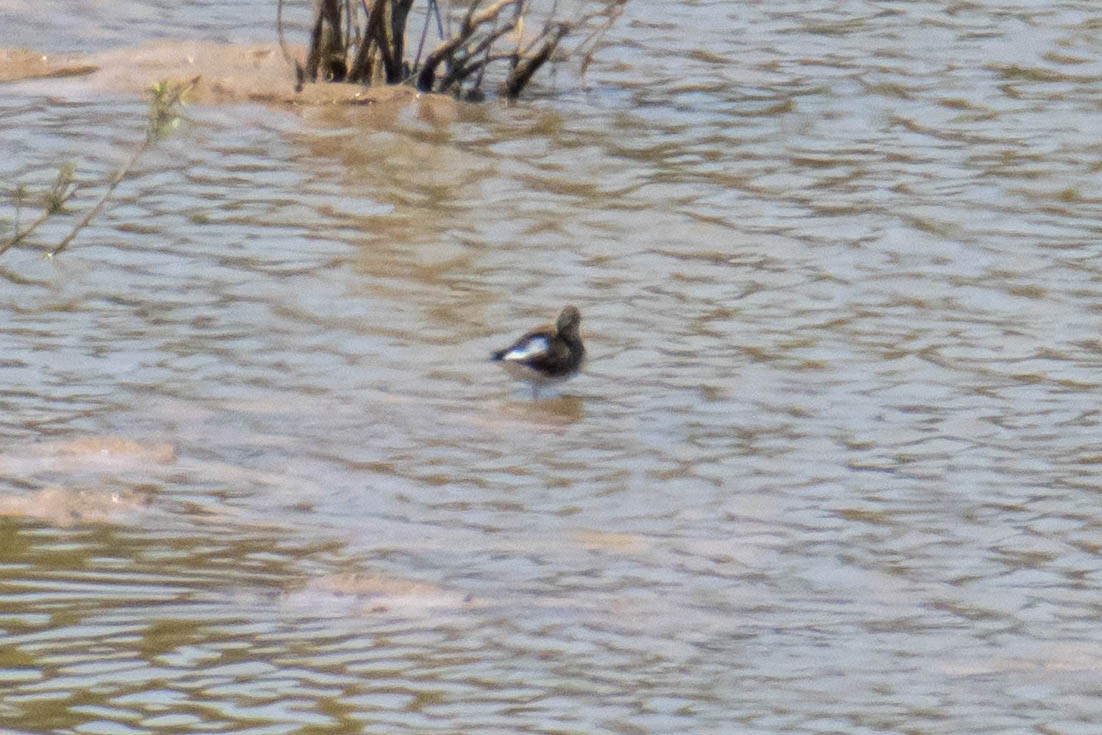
(531, 348)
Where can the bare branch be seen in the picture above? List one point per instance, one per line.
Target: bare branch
(530, 64)
(376, 48)
(63, 188)
(471, 21)
(464, 68)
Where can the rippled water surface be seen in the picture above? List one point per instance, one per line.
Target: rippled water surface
(833, 467)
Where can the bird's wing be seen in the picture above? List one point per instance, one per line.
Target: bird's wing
(530, 348)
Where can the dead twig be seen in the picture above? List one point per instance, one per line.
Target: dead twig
(471, 22)
(327, 48)
(300, 72)
(476, 59)
(589, 45)
(434, 9)
(374, 43)
(63, 188)
(529, 63)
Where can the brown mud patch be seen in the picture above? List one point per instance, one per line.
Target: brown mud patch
(223, 73)
(66, 507)
(365, 593)
(59, 505)
(623, 543)
(85, 454)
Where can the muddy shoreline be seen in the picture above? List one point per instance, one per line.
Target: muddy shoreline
(224, 73)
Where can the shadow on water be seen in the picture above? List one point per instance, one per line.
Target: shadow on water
(550, 410)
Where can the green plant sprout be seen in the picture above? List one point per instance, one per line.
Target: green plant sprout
(165, 99)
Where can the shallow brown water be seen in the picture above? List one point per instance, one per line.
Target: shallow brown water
(833, 466)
